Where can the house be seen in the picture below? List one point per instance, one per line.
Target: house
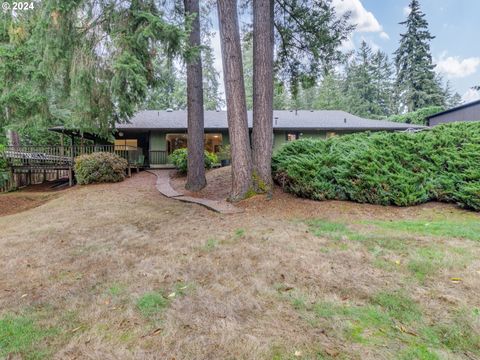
(159, 133)
(465, 112)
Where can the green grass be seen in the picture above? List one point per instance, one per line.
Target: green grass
(461, 229)
(21, 335)
(116, 289)
(152, 303)
(393, 317)
(417, 352)
(239, 233)
(425, 262)
(392, 239)
(210, 244)
(328, 229)
(398, 306)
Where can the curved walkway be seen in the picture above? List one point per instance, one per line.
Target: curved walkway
(164, 187)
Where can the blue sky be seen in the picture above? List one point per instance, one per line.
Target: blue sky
(455, 23)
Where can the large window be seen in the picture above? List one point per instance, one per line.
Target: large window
(213, 142)
(180, 141)
(126, 144)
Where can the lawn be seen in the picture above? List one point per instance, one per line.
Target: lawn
(120, 272)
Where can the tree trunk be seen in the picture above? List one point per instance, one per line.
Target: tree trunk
(236, 102)
(262, 94)
(196, 168)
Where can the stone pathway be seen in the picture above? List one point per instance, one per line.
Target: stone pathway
(164, 187)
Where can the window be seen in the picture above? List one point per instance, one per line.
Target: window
(176, 141)
(292, 136)
(180, 141)
(331, 134)
(213, 142)
(126, 144)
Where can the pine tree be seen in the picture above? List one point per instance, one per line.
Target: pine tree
(330, 94)
(415, 69)
(196, 170)
(263, 83)
(451, 100)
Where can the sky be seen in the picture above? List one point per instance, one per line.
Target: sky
(454, 23)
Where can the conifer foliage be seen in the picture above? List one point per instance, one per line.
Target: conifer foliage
(415, 69)
(386, 168)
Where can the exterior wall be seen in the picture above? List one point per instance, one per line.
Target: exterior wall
(158, 141)
(317, 135)
(470, 113)
(279, 138)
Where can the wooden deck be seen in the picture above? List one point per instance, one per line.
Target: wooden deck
(27, 162)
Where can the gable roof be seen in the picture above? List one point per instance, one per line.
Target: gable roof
(331, 120)
(467, 105)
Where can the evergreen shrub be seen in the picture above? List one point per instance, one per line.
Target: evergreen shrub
(3, 167)
(100, 167)
(399, 168)
(179, 159)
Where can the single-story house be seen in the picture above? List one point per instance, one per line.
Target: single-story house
(465, 112)
(159, 133)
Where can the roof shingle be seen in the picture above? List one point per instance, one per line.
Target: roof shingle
(283, 120)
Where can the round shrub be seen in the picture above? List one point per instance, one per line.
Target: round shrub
(386, 168)
(180, 156)
(99, 167)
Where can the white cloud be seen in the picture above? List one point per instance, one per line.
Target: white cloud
(365, 20)
(471, 95)
(454, 67)
(406, 10)
(384, 35)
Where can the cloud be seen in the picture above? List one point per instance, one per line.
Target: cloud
(454, 67)
(384, 35)
(471, 95)
(365, 20)
(406, 10)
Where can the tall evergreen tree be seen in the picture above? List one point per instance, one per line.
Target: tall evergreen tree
(89, 63)
(330, 94)
(236, 101)
(262, 133)
(413, 60)
(196, 170)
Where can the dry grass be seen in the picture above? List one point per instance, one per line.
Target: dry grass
(118, 271)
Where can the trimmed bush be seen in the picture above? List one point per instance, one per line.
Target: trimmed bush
(179, 159)
(3, 167)
(100, 167)
(386, 168)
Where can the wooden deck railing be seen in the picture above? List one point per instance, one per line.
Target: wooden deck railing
(63, 156)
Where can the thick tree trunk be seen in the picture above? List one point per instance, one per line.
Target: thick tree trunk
(262, 94)
(236, 102)
(196, 168)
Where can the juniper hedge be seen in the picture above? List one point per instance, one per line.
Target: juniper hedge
(402, 169)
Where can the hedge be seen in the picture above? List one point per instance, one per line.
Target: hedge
(417, 117)
(401, 169)
(3, 167)
(179, 159)
(99, 167)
